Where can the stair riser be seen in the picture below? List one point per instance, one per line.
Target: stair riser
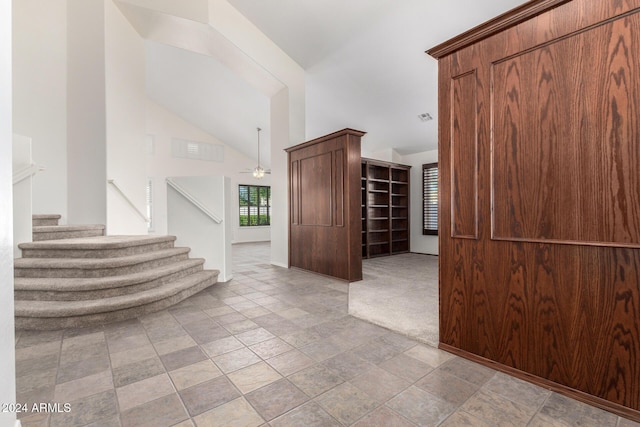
(41, 236)
(103, 293)
(98, 272)
(53, 323)
(40, 222)
(95, 253)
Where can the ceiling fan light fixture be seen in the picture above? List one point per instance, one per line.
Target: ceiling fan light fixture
(258, 172)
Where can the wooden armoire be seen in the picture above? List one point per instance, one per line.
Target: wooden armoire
(324, 205)
(539, 155)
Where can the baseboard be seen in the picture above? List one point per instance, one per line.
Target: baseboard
(279, 264)
(225, 279)
(589, 399)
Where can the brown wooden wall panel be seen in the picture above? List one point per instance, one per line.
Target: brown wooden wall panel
(464, 156)
(338, 187)
(550, 289)
(569, 153)
(324, 185)
(294, 194)
(316, 175)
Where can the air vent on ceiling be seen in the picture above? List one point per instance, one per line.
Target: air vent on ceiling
(425, 117)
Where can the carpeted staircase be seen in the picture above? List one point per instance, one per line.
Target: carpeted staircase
(74, 276)
(45, 227)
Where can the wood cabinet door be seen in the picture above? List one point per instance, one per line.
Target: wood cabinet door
(540, 199)
(325, 212)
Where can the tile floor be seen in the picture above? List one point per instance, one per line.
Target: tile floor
(272, 347)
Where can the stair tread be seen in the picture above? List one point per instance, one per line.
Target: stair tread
(46, 216)
(65, 228)
(29, 308)
(97, 263)
(97, 242)
(80, 284)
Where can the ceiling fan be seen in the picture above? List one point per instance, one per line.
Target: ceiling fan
(258, 172)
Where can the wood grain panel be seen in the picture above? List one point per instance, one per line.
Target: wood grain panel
(294, 194)
(324, 185)
(338, 187)
(550, 289)
(316, 177)
(568, 154)
(464, 156)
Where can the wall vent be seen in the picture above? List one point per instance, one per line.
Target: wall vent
(425, 117)
(194, 150)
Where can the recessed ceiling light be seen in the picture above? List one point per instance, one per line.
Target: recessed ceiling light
(425, 117)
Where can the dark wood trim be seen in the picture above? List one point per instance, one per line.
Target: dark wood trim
(383, 163)
(293, 267)
(454, 142)
(333, 135)
(564, 242)
(589, 399)
(500, 23)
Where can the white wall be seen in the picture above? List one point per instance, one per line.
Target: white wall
(40, 94)
(419, 242)
(86, 114)
(196, 230)
(125, 123)
(387, 155)
(196, 10)
(22, 194)
(163, 125)
(281, 138)
(287, 109)
(79, 75)
(7, 339)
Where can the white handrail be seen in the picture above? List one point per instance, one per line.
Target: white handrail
(194, 201)
(26, 172)
(128, 200)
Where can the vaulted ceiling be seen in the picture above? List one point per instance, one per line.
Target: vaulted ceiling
(364, 63)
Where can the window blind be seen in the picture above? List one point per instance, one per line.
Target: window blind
(430, 199)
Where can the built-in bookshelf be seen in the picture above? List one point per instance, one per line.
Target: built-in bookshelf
(385, 208)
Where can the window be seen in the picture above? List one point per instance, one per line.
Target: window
(430, 199)
(255, 205)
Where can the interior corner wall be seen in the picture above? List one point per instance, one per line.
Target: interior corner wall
(195, 10)
(287, 108)
(281, 138)
(164, 125)
(40, 94)
(386, 155)
(125, 98)
(419, 242)
(7, 337)
(86, 112)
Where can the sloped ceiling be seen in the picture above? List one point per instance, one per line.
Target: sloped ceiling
(365, 69)
(365, 61)
(206, 93)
